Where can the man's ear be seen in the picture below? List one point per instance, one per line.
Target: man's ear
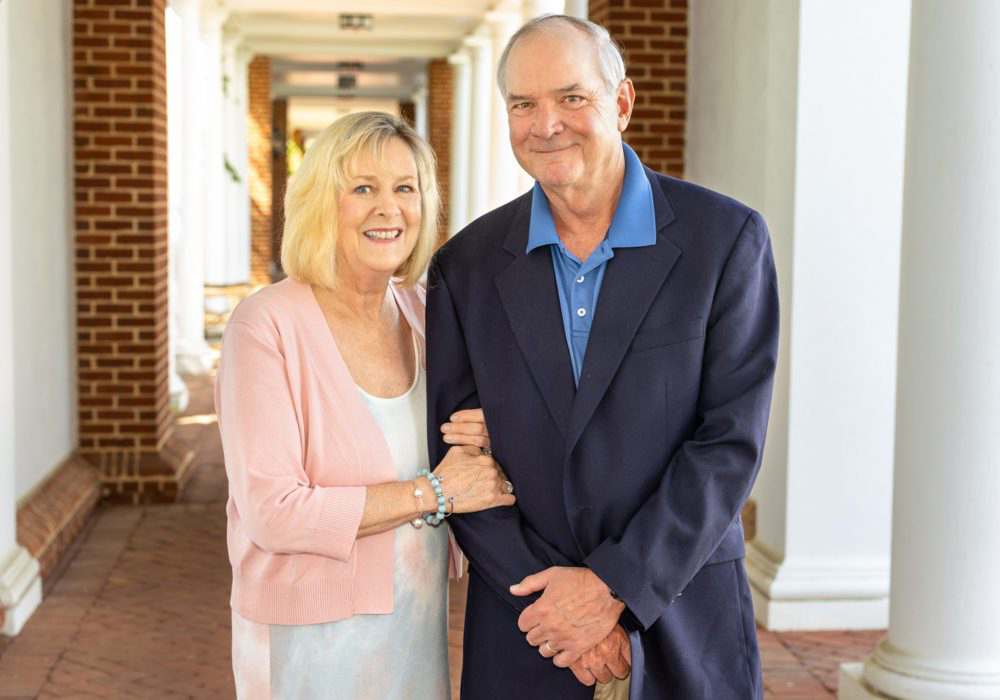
(625, 98)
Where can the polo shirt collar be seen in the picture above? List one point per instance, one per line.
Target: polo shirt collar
(632, 226)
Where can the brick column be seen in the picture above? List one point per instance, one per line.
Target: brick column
(259, 143)
(408, 112)
(654, 35)
(439, 106)
(279, 179)
(120, 164)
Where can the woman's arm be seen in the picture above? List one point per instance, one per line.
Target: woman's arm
(278, 508)
(472, 478)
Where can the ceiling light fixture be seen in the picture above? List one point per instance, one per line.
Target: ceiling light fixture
(357, 23)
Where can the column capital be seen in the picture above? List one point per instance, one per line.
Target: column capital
(477, 43)
(502, 23)
(181, 6)
(213, 17)
(460, 57)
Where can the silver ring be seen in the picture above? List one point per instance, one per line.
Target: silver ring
(549, 647)
(488, 451)
(508, 487)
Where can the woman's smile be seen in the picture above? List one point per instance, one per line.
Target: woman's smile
(383, 235)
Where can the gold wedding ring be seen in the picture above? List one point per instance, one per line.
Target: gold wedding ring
(549, 647)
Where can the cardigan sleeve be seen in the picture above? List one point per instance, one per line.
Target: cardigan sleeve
(262, 443)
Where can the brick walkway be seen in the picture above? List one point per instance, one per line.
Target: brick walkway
(141, 610)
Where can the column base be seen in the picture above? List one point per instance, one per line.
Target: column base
(851, 684)
(135, 477)
(195, 361)
(817, 595)
(890, 673)
(179, 395)
(20, 589)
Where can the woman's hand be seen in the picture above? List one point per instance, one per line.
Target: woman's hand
(474, 480)
(467, 428)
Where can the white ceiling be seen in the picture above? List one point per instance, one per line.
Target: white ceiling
(306, 43)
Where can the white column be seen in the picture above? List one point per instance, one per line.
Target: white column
(536, 8)
(577, 8)
(461, 108)
(781, 118)
(193, 353)
(505, 173)
(20, 585)
(420, 111)
(175, 101)
(213, 117)
(482, 89)
(944, 623)
(237, 241)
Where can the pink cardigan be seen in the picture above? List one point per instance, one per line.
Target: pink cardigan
(300, 445)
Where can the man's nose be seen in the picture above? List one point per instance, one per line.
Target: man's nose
(546, 122)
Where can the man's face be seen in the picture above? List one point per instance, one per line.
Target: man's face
(564, 125)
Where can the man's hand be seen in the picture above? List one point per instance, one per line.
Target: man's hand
(574, 613)
(611, 657)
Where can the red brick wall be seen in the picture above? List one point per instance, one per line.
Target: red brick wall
(120, 186)
(439, 99)
(279, 179)
(654, 36)
(259, 144)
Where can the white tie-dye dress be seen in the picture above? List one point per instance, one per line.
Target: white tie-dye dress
(366, 657)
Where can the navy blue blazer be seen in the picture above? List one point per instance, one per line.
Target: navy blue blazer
(640, 474)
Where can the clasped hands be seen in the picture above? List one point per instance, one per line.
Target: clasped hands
(575, 623)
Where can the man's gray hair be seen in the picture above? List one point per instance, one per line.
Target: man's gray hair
(609, 55)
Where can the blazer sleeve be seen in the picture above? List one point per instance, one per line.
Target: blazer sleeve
(708, 479)
(500, 546)
(262, 444)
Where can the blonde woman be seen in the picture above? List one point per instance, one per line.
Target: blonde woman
(335, 537)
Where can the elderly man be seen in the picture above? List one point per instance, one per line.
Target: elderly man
(619, 329)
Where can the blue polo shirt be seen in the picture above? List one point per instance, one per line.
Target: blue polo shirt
(579, 281)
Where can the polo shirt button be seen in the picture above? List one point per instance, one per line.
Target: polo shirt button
(579, 280)
(581, 312)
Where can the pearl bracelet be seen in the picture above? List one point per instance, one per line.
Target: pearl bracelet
(418, 522)
(434, 518)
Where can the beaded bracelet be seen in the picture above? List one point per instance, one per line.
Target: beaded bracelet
(434, 518)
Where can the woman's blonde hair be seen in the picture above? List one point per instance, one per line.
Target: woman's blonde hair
(312, 200)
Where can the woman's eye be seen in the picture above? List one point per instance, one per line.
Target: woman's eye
(405, 188)
(362, 189)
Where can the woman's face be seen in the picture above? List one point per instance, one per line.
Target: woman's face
(379, 214)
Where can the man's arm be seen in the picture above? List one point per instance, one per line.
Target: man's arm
(709, 478)
(501, 546)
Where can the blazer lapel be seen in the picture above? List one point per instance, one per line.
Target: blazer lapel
(631, 281)
(528, 293)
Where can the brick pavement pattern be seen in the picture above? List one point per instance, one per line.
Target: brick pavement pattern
(141, 608)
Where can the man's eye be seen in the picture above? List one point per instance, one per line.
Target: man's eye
(574, 99)
(520, 105)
